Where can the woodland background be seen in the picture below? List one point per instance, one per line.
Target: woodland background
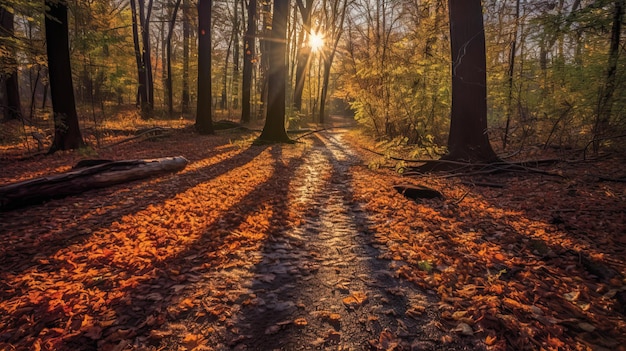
(554, 68)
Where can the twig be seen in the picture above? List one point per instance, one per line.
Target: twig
(422, 160)
(151, 130)
(510, 155)
(491, 167)
(491, 185)
(594, 140)
(309, 133)
(516, 167)
(608, 179)
(488, 171)
(462, 197)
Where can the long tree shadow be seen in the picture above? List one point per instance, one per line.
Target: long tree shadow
(44, 241)
(530, 264)
(46, 317)
(209, 251)
(312, 276)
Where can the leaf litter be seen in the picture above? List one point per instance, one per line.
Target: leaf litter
(303, 246)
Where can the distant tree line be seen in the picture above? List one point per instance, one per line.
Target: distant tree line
(553, 69)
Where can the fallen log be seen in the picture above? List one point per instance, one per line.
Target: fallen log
(79, 180)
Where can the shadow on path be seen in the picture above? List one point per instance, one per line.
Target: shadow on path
(321, 283)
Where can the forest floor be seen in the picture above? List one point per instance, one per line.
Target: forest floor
(294, 247)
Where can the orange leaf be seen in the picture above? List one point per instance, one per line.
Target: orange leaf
(490, 340)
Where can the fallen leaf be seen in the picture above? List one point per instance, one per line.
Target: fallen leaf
(586, 327)
(490, 340)
(463, 329)
(572, 296)
(356, 299)
(300, 322)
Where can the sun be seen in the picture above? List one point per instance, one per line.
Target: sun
(316, 41)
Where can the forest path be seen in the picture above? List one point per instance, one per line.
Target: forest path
(291, 247)
(250, 247)
(318, 282)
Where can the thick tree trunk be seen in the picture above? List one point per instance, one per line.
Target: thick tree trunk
(66, 129)
(468, 139)
(82, 179)
(204, 123)
(248, 58)
(274, 129)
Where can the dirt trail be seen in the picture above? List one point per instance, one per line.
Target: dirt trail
(249, 248)
(292, 247)
(318, 284)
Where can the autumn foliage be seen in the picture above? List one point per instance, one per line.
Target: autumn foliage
(537, 264)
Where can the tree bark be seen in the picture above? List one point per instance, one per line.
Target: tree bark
(186, 34)
(66, 129)
(468, 139)
(12, 104)
(142, 95)
(335, 35)
(168, 80)
(274, 129)
(82, 179)
(146, 54)
(204, 123)
(605, 101)
(235, 81)
(304, 53)
(223, 102)
(511, 72)
(248, 61)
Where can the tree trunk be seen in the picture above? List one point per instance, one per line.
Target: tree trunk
(509, 101)
(468, 139)
(146, 55)
(66, 129)
(223, 102)
(142, 95)
(163, 42)
(186, 34)
(82, 179)
(235, 81)
(338, 20)
(248, 60)
(264, 48)
(170, 98)
(204, 123)
(12, 105)
(274, 129)
(304, 53)
(605, 101)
